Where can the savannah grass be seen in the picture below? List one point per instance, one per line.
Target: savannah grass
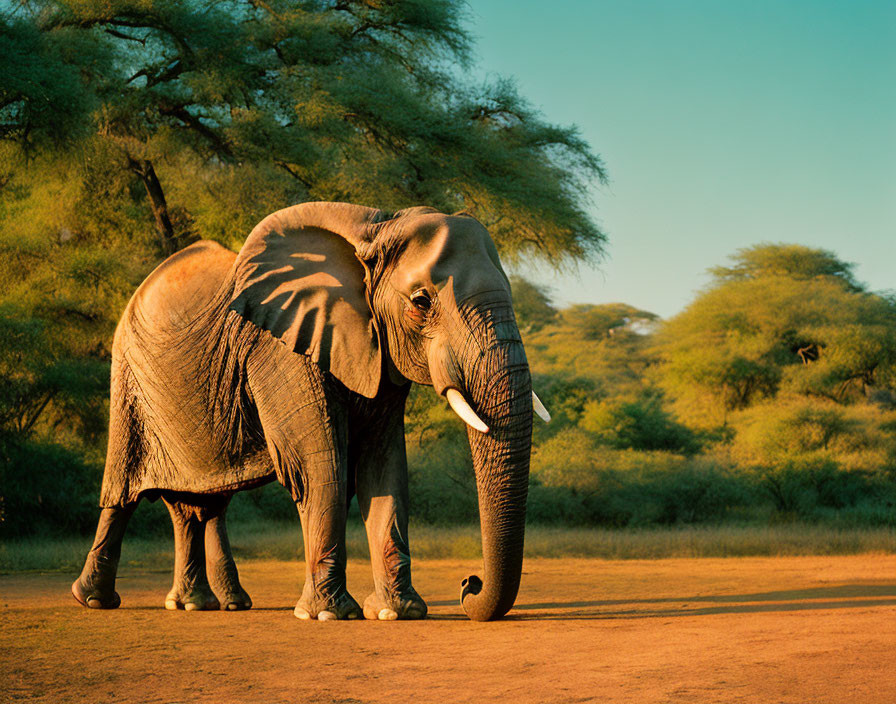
(282, 541)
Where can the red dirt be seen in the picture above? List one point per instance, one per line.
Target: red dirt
(811, 629)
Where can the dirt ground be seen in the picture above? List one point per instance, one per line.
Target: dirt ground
(810, 629)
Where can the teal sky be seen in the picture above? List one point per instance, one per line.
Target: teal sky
(722, 123)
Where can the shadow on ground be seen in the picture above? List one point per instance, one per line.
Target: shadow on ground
(846, 596)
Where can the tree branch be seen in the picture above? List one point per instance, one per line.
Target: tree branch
(194, 123)
(288, 169)
(40, 409)
(122, 35)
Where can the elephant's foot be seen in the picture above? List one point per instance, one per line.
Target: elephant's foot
(196, 598)
(340, 608)
(226, 586)
(385, 607)
(236, 601)
(94, 596)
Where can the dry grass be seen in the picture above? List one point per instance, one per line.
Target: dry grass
(266, 541)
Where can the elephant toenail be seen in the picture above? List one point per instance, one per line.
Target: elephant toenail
(387, 615)
(326, 616)
(94, 603)
(190, 606)
(302, 614)
(171, 605)
(352, 615)
(233, 607)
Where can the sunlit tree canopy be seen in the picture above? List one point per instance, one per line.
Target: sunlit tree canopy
(223, 111)
(782, 319)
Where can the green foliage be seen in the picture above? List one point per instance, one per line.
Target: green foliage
(791, 261)
(61, 293)
(269, 502)
(575, 479)
(353, 101)
(46, 488)
(858, 438)
(47, 91)
(531, 305)
(594, 346)
(594, 322)
(783, 320)
(440, 470)
(818, 489)
(637, 424)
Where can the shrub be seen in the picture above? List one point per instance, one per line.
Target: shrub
(441, 483)
(816, 488)
(576, 480)
(45, 487)
(639, 424)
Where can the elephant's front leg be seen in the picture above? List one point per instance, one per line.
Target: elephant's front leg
(382, 487)
(306, 437)
(323, 512)
(191, 590)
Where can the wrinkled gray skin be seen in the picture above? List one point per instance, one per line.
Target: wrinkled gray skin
(292, 360)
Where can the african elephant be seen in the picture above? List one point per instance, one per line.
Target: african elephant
(293, 360)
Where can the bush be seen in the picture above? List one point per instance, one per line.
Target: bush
(46, 488)
(640, 424)
(442, 486)
(270, 502)
(576, 480)
(818, 488)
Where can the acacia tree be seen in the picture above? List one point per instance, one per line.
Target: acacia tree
(783, 319)
(354, 100)
(129, 128)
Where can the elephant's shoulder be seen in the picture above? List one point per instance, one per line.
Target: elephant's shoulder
(182, 284)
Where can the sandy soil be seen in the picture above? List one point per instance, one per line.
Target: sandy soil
(712, 630)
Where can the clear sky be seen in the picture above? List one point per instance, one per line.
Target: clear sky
(723, 123)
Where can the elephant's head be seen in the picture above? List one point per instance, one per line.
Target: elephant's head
(419, 296)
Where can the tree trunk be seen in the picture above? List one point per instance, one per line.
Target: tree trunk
(144, 169)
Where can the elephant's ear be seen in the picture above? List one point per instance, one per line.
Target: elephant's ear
(298, 277)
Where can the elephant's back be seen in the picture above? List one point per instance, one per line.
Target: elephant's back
(181, 286)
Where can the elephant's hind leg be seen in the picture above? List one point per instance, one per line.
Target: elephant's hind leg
(191, 590)
(96, 585)
(221, 568)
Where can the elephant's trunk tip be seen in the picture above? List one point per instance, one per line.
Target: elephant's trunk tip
(481, 604)
(471, 587)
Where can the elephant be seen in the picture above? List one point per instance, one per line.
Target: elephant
(292, 360)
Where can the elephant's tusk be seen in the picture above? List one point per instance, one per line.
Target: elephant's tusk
(460, 406)
(539, 409)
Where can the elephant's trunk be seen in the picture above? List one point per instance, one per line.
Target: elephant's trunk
(497, 382)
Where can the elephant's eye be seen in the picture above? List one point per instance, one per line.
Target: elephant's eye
(421, 300)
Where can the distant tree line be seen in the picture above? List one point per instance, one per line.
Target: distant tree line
(772, 396)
